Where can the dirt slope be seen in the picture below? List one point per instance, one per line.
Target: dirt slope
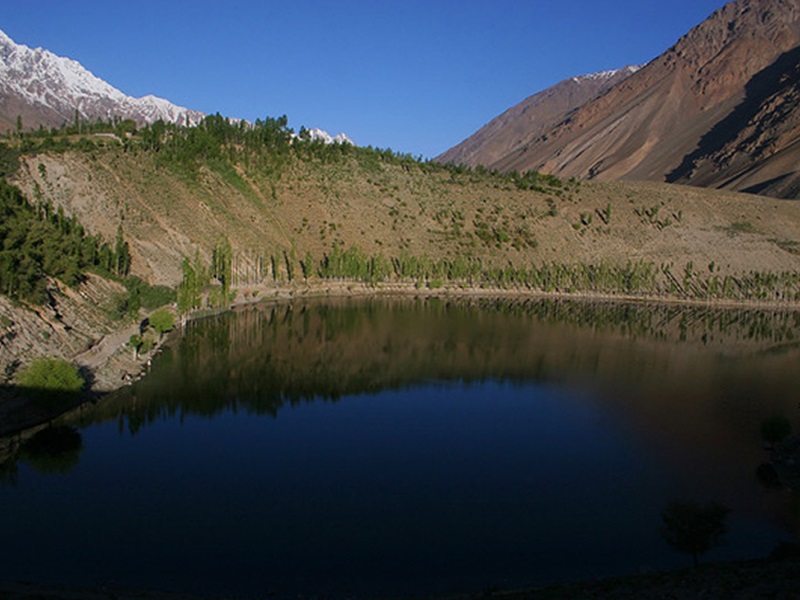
(531, 118)
(394, 209)
(715, 110)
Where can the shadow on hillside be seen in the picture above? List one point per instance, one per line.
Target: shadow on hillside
(781, 74)
(788, 184)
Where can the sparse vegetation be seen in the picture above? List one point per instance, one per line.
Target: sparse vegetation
(650, 216)
(739, 227)
(790, 246)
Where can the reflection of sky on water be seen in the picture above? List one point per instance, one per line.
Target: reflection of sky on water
(464, 474)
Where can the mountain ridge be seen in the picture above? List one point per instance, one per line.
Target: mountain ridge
(532, 117)
(44, 89)
(48, 89)
(645, 126)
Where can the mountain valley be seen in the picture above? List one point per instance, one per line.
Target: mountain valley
(551, 200)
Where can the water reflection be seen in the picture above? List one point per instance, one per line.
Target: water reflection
(261, 358)
(544, 431)
(53, 449)
(695, 382)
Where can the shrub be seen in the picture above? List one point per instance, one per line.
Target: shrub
(51, 379)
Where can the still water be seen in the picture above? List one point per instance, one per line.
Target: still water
(403, 447)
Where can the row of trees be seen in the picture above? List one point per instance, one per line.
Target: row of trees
(640, 278)
(197, 278)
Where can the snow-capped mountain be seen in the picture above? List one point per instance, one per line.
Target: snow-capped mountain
(319, 134)
(45, 89)
(615, 74)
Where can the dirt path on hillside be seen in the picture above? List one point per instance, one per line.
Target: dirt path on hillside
(111, 361)
(98, 355)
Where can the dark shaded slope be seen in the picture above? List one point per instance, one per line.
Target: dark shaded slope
(739, 151)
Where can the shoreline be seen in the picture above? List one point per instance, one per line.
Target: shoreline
(776, 576)
(349, 289)
(112, 367)
(751, 579)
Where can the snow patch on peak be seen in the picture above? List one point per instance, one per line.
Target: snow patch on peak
(605, 75)
(320, 134)
(4, 39)
(61, 86)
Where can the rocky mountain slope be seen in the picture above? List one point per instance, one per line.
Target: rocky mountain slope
(531, 118)
(717, 109)
(45, 89)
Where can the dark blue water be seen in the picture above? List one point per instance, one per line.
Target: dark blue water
(435, 483)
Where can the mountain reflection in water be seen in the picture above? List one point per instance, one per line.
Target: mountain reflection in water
(409, 446)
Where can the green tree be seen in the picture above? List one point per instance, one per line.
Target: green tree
(122, 255)
(195, 278)
(9, 160)
(693, 528)
(51, 379)
(136, 342)
(162, 321)
(221, 261)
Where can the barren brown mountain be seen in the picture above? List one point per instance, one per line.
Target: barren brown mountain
(531, 118)
(717, 109)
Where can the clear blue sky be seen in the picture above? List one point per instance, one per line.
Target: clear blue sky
(416, 76)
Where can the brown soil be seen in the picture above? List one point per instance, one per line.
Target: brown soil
(392, 210)
(716, 109)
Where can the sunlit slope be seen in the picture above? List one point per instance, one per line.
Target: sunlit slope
(305, 206)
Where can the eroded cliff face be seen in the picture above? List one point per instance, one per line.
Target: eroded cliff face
(733, 74)
(71, 322)
(755, 147)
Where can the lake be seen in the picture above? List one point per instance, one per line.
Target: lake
(397, 447)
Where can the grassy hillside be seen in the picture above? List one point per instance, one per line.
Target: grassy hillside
(286, 210)
(256, 211)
